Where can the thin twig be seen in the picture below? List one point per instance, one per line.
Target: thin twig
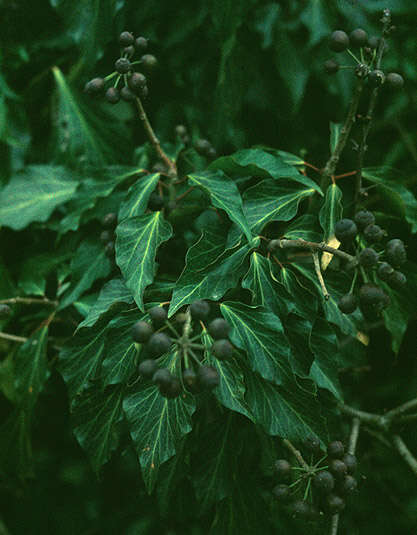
(319, 275)
(154, 140)
(296, 453)
(303, 244)
(405, 453)
(368, 417)
(401, 409)
(28, 301)
(12, 337)
(334, 525)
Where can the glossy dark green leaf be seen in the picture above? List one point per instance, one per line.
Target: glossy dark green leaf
(266, 290)
(225, 195)
(89, 264)
(260, 334)
(298, 332)
(138, 195)
(138, 239)
(304, 228)
(34, 193)
(304, 307)
(96, 420)
(331, 211)
(112, 293)
(316, 17)
(120, 354)
(16, 455)
(156, 425)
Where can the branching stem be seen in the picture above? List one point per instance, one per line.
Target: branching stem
(28, 301)
(296, 453)
(314, 246)
(12, 337)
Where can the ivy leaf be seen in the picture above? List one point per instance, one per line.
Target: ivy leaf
(211, 283)
(304, 307)
(208, 248)
(36, 191)
(138, 239)
(156, 425)
(225, 195)
(288, 411)
(272, 200)
(120, 354)
(31, 368)
(96, 419)
(254, 162)
(112, 293)
(89, 264)
(324, 370)
(303, 228)
(138, 195)
(331, 211)
(298, 331)
(265, 289)
(16, 455)
(316, 18)
(260, 333)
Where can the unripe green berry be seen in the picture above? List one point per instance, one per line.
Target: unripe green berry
(394, 80)
(171, 390)
(141, 331)
(368, 257)
(331, 66)
(202, 146)
(112, 95)
(141, 44)
(199, 310)
(126, 39)
(345, 230)
(122, 65)
(347, 303)
(222, 349)
(109, 248)
(109, 220)
(219, 328)
(147, 368)
(149, 62)
(106, 236)
(363, 218)
(208, 377)
(189, 378)
(358, 37)
(162, 377)
(339, 41)
(158, 316)
(373, 233)
(158, 344)
(181, 130)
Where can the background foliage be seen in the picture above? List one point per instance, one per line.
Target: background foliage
(241, 73)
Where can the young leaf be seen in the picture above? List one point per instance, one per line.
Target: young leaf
(138, 195)
(331, 211)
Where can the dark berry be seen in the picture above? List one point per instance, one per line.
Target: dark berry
(312, 444)
(370, 294)
(364, 218)
(347, 303)
(156, 202)
(373, 42)
(158, 316)
(112, 95)
(358, 37)
(208, 377)
(162, 377)
(219, 328)
(282, 493)
(331, 66)
(212, 153)
(149, 62)
(222, 349)
(336, 449)
(347, 485)
(5, 310)
(350, 462)
(126, 94)
(158, 344)
(129, 51)
(334, 504)
(199, 310)
(109, 248)
(384, 271)
(136, 81)
(345, 230)
(376, 78)
(126, 39)
(171, 390)
(373, 233)
(300, 508)
(394, 80)
(106, 236)
(141, 331)
(109, 220)
(368, 257)
(141, 43)
(274, 246)
(395, 252)
(338, 468)
(144, 91)
(122, 65)
(323, 482)
(339, 41)
(94, 86)
(202, 146)
(147, 368)
(181, 130)
(397, 280)
(282, 469)
(189, 378)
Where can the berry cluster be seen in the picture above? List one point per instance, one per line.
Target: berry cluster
(319, 488)
(185, 374)
(371, 299)
(205, 148)
(367, 46)
(134, 83)
(109, 223)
